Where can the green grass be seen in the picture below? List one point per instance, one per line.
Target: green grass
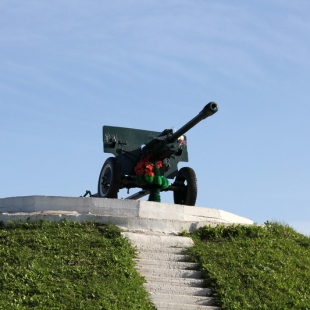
(254, 267)
(68, 266)
(90, 266)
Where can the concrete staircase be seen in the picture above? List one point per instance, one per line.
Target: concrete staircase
(172, 281)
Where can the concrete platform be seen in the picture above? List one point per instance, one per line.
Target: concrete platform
(128, 214)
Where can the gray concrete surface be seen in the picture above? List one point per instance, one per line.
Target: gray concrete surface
(128, 214)
(172, 281)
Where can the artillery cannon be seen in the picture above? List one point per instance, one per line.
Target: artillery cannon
(147, 159)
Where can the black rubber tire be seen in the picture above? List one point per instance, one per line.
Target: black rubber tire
(109, 178)
(187, 181)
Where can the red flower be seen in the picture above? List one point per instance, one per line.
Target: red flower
(149, 173)
(149, 166)
(139, 169)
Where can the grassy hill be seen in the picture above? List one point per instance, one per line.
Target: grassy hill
(254, 267)
(68, 266)
(90, 266)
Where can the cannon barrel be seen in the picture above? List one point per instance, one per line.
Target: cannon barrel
(208, 110)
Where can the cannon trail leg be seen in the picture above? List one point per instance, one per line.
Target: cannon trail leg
(109, 179)
(186, 182)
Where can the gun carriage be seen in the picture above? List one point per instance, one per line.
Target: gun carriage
(147, 159)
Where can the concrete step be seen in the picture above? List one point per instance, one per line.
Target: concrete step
(166, 264)
(163, 256)
(158, 240)
(162, 272)
(176, 289)
(176, 306)
(182, 299)
(190, 282)
(161, 250)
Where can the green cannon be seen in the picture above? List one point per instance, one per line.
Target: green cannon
(147, 159)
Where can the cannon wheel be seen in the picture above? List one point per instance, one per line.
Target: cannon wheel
(109, 178)
(187, 181)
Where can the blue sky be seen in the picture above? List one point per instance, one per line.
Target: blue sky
(69, 67)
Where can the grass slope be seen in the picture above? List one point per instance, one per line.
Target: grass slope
(68, 266)
(90, 266)
(254, 267)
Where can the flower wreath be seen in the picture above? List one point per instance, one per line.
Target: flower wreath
(149, 172)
